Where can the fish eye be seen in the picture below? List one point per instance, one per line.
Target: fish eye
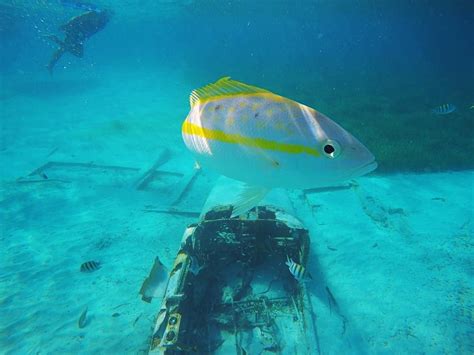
(331, 149)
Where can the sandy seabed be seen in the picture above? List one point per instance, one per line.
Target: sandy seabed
(395, 251)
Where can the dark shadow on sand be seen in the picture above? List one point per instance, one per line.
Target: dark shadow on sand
(348, 335)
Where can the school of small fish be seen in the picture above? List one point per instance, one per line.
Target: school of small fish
(266, 140)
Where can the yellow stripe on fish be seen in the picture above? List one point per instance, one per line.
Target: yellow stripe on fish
(195, 130)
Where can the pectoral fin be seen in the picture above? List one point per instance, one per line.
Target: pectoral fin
(248, 198)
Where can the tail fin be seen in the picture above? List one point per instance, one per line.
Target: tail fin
(54, 59)
(55, 39)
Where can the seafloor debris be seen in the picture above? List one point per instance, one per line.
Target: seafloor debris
(150, 174)
(382, 215)
(244, 298)
(151, 287)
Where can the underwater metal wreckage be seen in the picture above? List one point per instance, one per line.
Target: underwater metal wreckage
(239, 296)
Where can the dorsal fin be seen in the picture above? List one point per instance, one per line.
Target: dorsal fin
(223, 86)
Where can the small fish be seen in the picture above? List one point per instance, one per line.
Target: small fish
(152, 286)
(90, 266)
(268, 141)
(82, 322)
(44, 176)
(444, 109)
(472, 107)
(297, 270)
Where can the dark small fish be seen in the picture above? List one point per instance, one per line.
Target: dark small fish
(90, 266)
(82, 322)
(121, 305)
(444, 109)
(44, 176)
(116, 315)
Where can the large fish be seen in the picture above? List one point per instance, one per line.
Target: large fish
(266, 140)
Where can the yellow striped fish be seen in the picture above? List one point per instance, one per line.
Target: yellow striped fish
(266, 140)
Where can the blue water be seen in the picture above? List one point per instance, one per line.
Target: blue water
(396, 252)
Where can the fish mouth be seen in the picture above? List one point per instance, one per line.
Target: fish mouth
(366, 168)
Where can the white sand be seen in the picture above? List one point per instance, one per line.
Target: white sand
(396, 252)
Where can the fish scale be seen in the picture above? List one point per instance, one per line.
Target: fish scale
(256, 116)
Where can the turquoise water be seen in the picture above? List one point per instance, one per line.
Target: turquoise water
(90, 153)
